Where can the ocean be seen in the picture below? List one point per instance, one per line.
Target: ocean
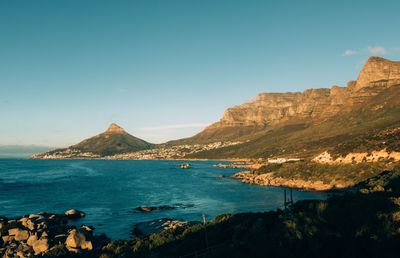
(109, 191)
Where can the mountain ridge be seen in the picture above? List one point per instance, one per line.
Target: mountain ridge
(275, 124)
(269, 110)
(362, 129)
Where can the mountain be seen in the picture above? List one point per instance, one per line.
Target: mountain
(364, 116)
(311, 121)
(115, 140)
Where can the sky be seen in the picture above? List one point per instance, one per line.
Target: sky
(164, 70)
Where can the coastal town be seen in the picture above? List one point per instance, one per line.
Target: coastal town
(162, 152)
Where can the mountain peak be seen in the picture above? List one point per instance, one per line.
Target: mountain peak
(378, 71)
(377, 59)
(115, 129)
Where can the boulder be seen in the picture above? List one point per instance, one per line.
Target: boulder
(7, 238)
(13, 231)
(31, 240)
(77, 240)
(28, 223)
(21, 235)
(47, 235)
(74, 214)
(35, 216)
(87, 228)
(40, 246)
(44, 235)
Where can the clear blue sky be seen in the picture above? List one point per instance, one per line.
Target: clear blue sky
(163, 69)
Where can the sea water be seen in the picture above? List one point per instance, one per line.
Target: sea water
(109, 191)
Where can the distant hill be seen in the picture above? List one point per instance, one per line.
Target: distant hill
(364, 115)
(115, 140)
(21, 151)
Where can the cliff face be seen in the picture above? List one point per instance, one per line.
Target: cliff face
(378, 72)
(276, 108)
(270, 109)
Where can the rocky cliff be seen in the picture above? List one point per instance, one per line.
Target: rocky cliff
(312, 105)
(378, 72)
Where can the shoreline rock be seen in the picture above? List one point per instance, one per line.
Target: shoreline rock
(244, 165)
(144, 229)
(268, 179)
(47, 234)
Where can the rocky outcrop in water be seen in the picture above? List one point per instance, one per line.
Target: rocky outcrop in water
(163, 207)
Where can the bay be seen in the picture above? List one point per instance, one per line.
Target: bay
(108, 191)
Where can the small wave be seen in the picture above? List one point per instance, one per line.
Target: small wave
(80, 166)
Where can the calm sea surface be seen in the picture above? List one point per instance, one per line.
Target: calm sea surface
(108, 191)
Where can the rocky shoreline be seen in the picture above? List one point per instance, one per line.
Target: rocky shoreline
(240, 164)
(48, 234)
(143, 229)
(268, 179)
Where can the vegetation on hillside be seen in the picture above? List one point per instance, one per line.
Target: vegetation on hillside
(312, 171)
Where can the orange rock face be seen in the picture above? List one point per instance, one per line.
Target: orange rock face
(378, 72)
(313, 104)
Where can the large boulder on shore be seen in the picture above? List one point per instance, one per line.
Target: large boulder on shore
(39, 245)
(21, 235)
(77, 240)
(28, 223)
